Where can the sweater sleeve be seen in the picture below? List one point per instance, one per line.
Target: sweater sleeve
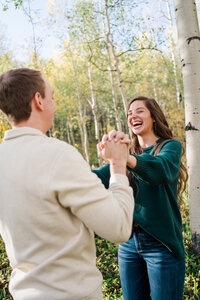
(162, 168)
(109, 212)
(104, 174)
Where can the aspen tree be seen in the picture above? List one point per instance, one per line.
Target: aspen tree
(93, 103)
(116, 60)
(112, 81)
(172, 50)
(189, 45)
(82, 125)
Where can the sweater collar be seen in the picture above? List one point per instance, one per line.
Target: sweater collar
(153, 147)
(21, 131)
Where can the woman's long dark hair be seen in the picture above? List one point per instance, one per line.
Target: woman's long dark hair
(162, 130)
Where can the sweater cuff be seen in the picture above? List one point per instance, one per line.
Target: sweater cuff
(119, 178)
(141, 165)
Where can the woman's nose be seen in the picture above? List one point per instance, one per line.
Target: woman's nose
(133, 115)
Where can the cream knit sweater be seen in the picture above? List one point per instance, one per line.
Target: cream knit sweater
(50, 206)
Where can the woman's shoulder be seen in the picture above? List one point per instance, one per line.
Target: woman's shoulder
(171, 141)
(170, 144)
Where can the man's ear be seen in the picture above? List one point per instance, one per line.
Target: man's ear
(38, 101)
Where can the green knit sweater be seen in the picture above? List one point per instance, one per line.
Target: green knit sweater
(156, 208)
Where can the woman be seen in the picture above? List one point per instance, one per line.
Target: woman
(151, 262)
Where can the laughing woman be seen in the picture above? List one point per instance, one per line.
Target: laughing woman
(151, 262)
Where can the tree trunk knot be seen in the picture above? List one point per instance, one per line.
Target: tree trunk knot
(189, 126)
(192, 38)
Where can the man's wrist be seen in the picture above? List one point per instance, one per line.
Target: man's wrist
(118, 167)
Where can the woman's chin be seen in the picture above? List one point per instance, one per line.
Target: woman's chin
(137, 131)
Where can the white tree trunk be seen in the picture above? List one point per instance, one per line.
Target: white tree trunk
(114, 93)
(28, 13)
(93, 103)
(70, 135)
(82, 125)
(173, 54)
(116, 60)
(189, 45)
(110, 67)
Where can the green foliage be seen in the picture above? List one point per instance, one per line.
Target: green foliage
(3, 126)
(7, 3)
(192, 278)
(107, 263)
(5, 271)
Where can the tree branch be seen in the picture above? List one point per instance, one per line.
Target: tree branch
(135, 50)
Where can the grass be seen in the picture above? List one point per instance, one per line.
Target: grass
(107, 263)
(5, 271)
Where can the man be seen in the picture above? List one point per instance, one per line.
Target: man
(51, 203)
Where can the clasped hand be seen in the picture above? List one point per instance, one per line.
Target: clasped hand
(114, 147)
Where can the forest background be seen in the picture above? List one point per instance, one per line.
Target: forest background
(108, 52)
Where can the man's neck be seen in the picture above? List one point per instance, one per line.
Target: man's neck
(30, 124)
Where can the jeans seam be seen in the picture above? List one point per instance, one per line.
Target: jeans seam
(137, 244)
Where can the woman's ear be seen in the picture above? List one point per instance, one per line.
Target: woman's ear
(38, 101)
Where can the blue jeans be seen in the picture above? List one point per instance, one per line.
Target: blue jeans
(148, 270)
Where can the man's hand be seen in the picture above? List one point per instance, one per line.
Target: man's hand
(116, 137)
(114, 148)
(113, 151)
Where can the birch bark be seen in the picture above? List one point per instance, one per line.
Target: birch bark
(28, 13)
(189, 45)
(113, 88)
(111, 70)
(93, 103)
(172, 48)
(116, 60)
(70, 135)
(82, 125)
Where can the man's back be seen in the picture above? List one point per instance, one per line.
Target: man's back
(50, 205)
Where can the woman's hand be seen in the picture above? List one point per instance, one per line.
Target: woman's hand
(112, 151)
(114, 147)
(116, 136)
(109, 153)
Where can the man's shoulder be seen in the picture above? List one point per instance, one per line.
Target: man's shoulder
(60, 147)
(54, 143)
